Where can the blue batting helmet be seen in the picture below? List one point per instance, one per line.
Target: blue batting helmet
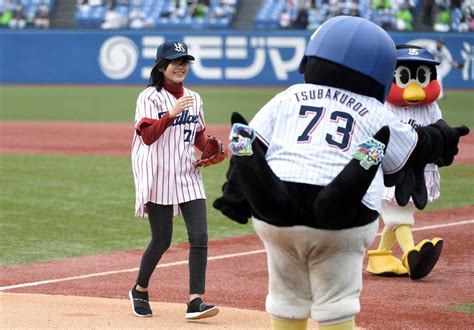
(357, 44)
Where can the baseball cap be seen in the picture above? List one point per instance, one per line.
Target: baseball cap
(416, 55)
(172, 50)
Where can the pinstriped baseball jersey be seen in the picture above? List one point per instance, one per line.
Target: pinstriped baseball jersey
(163, 172)
(311, 132)
(418, 115)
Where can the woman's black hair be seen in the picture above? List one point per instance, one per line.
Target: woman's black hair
(322, 72)
(157, 76)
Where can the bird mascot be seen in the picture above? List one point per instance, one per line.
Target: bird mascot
(412, 98)
(309, 169)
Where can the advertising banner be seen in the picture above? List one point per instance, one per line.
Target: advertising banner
(223, 57)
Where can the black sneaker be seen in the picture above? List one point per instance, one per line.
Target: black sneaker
(197, 309)
(140, 305)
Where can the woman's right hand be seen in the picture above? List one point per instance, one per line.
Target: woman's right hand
(183, 103)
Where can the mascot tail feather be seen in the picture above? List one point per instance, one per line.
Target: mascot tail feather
(339, 202)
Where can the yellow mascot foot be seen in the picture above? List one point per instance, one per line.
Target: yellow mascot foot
(422, 258)
(382, 263)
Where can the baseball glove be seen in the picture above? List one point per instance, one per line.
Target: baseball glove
(214, 152)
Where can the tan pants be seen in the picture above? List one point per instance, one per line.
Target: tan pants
(314, 272)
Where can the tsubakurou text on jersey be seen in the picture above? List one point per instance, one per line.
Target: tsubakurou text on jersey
(335, 95)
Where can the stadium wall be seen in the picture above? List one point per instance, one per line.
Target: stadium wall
(227, 57)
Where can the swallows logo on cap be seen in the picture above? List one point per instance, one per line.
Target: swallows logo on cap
(179, 47)
(413, 51)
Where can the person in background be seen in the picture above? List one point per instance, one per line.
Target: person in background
(41, 20)
(442, 54)
(6, 16)
(114, 19)
(137, 18)
(18, 20)
(199, 9)
(285, 19)
(384, 14)
(301, 20)
(442, 19)
(404, 17)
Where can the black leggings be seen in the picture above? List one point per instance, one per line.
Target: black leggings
(161, 224)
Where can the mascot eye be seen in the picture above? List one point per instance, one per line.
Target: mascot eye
(423, 74)
(402, 76)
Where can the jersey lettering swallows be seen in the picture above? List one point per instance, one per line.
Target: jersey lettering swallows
(414, 123)
(183, 119)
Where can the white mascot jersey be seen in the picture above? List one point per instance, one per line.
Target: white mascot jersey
(331, 121)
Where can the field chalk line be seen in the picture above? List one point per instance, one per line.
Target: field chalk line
(184, 262)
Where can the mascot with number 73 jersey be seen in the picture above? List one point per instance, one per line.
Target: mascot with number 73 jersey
(309, 171)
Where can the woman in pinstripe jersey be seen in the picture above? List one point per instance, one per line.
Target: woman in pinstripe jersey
(169, 124)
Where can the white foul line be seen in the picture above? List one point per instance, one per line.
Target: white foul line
(184, 262)
(113, 272)
(443, 225)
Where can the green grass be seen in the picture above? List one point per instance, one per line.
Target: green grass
(116, 103)
(68, 103)
(61, 206)
(457, 107)
(457, 187)
(467, 308)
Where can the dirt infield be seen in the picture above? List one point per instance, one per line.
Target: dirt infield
(91, 291)
(237, 279)
(59, 312)
(109, 139)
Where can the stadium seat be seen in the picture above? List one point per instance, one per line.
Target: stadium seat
(158, 11)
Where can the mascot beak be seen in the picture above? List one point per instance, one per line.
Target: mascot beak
(414, 93)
